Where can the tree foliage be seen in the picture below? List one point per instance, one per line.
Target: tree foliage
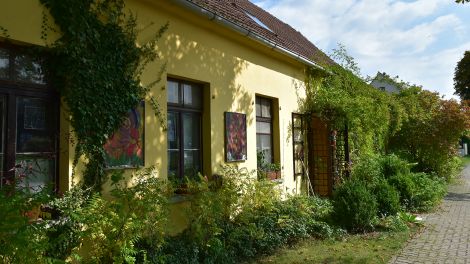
(341, 98)
(462, 77)
(416, 124)
(431, 129)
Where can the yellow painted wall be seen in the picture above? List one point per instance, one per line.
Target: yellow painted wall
(232, 68)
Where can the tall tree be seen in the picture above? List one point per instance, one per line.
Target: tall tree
(462, 1)
(462, 77)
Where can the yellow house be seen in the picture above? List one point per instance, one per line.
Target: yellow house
(230, 93)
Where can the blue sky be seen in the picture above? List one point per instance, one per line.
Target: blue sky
(419, 40)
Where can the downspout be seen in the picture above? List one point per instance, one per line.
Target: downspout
(248, 33)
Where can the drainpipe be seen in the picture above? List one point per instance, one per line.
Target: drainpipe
(245, 32)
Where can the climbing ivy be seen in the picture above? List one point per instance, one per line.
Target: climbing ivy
(96, 65)
(341, 97)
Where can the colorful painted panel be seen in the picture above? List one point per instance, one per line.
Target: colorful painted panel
(125, 148)
(235, 137)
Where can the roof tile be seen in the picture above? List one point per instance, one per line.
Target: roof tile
(282, 34)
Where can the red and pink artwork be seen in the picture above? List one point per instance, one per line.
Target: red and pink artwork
(235, 137)
(125, 148)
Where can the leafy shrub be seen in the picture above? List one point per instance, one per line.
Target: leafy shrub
(355, 207)
(22, 236)
(111, 227)
(419, 191)
(405, 186)
(368, 169)
(241, 218)
(392, 165)
(394, 223)
(428, 193)
(65, 230)
(388, 199)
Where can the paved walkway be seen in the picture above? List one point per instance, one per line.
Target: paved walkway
(446, 238)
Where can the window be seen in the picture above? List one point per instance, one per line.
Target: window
(264, 128)
(28, 120)
(184, 129)
(257, 21)
(298, 141)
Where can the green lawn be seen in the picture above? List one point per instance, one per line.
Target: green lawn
(466, 160)
(370, 248)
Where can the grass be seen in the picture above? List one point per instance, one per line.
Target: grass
(371, 248)
(466, 160)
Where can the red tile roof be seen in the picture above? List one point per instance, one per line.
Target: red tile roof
(281, 33)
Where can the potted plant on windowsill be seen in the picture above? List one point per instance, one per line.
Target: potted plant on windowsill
(266, 170)
(273, 171)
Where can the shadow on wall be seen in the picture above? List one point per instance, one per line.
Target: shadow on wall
(219, 70)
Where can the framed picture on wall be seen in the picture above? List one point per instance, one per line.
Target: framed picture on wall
(125, 148)
(235, 137)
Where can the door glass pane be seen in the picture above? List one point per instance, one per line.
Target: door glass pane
(28, 70)
(192, 96)
(192, 163)
(191, 131)
(35, 172)
(4, 64)
(172, 132)
(36, 125)
(173, 93)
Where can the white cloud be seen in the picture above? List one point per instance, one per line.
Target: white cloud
(406, 38)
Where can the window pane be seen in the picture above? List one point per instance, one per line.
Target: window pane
(36, 124)
(38, 172)
(263, 143)
(192, 163)
(2, 135)
(297, 122)
(266, 108)
(263, 127)
(258, 106)
(298, 151)
(298, 167)
(173, 92)
(172, 132)
(192, 131)
(28, 70)
(173, 163)
(298, 135)
(4, 64)
(192, 96)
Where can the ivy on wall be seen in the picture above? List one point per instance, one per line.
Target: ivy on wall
(96, 65)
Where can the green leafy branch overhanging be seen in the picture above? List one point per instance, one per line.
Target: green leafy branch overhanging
(96, 65)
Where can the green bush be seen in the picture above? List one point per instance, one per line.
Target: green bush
(388, 199)
(419, 191)
(23, 238)
(429, 192)
(239, 219)
(405, 186)
(355, 207)
(392, 165)
(368, 169)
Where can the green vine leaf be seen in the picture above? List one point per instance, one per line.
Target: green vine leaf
(96, 66)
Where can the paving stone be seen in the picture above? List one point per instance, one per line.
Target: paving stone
(446, 238)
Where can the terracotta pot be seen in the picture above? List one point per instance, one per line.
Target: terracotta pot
(273, 175)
